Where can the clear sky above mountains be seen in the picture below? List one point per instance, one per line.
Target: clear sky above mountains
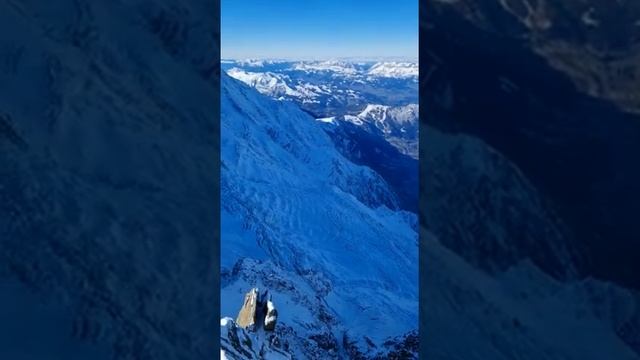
(319, 29)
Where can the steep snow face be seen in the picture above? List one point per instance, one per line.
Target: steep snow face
(369, 148)
(329, 228)
(107, 181)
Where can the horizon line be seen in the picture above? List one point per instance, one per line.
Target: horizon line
(316, 58)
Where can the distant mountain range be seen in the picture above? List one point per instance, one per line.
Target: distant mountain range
(332, 87)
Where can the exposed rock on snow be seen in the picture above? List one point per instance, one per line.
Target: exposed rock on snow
(257, 310)
(237, 343)
(271, 316)
(249, 311)
(251, 336)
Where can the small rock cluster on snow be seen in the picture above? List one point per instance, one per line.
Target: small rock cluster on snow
(251, 335)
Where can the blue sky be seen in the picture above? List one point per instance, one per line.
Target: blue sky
(319, 29)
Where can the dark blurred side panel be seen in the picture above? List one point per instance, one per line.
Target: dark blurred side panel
(530, 135)
(109, 164)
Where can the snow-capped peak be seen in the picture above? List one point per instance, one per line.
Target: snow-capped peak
(397, 124)
(394, 70)
(406, 115)
(267, 83)
(336, 66)
(375, 112)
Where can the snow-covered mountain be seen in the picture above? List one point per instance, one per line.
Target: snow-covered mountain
(496, 297)
(371, 149)
(296, 215)
(332, 87)
(522, 313)
(107, 182)
(268, 83)
(382, 69)
(558, 98)
(332, 66)
(385, 139)
(257, 63)
(489, 300)
(396, 124)
(482, 207)
(394, 70)
(501, 273)
(386, 132)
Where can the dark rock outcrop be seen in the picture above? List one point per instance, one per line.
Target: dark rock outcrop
(271, 317)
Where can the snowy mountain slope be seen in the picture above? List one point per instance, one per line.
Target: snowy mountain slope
(318, 87)
(332, 66)
(475, 310)
(396, 124)
(371, 149)
(545, 99)
(384, 69)
(257, 63)
(267, 83)
(289, 199)
(522, 313)
(107, 193)
(482, 207)
(394, 70)
(501, 269)
(385, 139)
(237, 343)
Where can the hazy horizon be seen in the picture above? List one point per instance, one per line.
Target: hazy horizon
(329, 58)
(319, 30)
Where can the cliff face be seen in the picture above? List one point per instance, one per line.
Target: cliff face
(596, 44)
(541, 84)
